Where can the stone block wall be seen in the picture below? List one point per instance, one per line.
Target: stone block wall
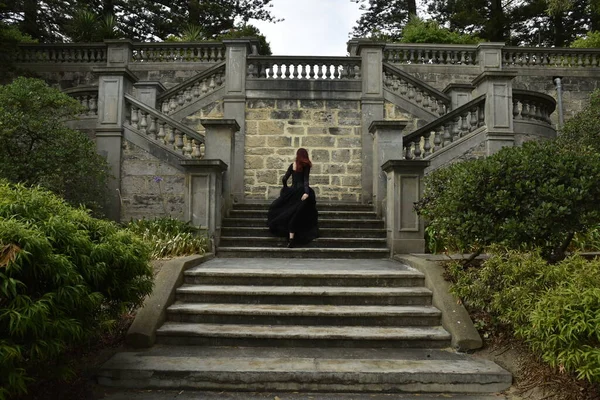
(150, 187)
(329, 129)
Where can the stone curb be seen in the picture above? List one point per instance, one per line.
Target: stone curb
(142, 332)
(455, 318)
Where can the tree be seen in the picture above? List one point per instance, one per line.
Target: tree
(420, 31)
(386, 17)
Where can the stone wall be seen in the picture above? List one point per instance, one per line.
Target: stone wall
(150, 188)
(213, 110)
(330, 131)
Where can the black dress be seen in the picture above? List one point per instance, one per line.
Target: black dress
(289, 213)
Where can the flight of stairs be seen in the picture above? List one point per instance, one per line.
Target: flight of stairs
(345, 231)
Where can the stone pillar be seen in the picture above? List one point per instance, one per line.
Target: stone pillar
(204, 199)
(497, 86)
(490, 55)
(387, 144)
(460, 93)
(220, 143)
(114, 81)
(148, 91)
(405, 229)
(371, 107)
(234, 107)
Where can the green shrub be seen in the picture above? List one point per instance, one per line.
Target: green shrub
(169, 237)
(537, 195)
(39, 149)
(417, 30)
(64, 277)
(582, 131)
(591, 40)
(555, 309)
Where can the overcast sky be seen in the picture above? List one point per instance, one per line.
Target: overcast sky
(311, 27)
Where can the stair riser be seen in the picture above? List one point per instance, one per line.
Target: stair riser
(282, 242)
(305, 281)
(293, 342)
(324, 215)
(229, 223)
(363, 320)
(320, 207)
(323, 233)
(282, 253)
(309, 300)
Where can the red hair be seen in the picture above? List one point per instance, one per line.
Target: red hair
(302, 159)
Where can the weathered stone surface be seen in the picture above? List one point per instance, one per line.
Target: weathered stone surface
(266, 176)
(312, 104)
(334, 130)
(279, 141)
(213, 110)
(260, 103)
(257, 115)
(256, 141)
(293, 130)
(287, 104)
(271, 127)
(324, 117)
(320, 155)
(349, 118)
(277, 163)
(341, 156)
(343, 105)
(316, 141)
(260, 151)
(255, 162)
(349, 142)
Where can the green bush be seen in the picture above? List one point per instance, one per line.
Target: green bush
(555, 309)
(169, 237)
(64, 277)
(39, 149)
(583, 130)
(420, 31)
(537, 195)
(591, 40)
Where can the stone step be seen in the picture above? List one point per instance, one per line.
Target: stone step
(320, 206)
(306, 252)
(304, 273)
(176, 333)
(323, 214)
(323, 232)
(278, 242)
(302, 314)
(324, 295)
(304, 370)
(327, 223)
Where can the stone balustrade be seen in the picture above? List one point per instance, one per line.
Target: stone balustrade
(164, 52)
(446, 54)
(161, 129)
(304, 68)
(532, 106)
(88, 97)
(193, 89)
(419, 145)
(415, 91)
(516, 57)
(62, 53)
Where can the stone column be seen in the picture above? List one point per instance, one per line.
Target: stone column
(497, 86)
(490, 55)
(234, 106)
(204, 200)
(371, 107)
(114, 81)
(220, 143)
(148, 91)
(387, 144)
(460, 93)
(405, 229)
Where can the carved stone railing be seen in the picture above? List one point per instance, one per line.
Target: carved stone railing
(62, 53)
(532, 106)
(192, 89)
(515, 57)
(88, 97)
(445, 54)
(445, 130)
(202, 52)
(414, 90)
(304, 68)
(161, 129)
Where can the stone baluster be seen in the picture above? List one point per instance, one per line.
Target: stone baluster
(143, 122)
(426, 144)
(447, 137)
(525, 109)
(465, 124)
(279, 74)
(411, 91)
(172, 104)
(161, 132)
(516, 113)
(196, 149)
(94, 105)
(178, 145)
(408, 151)
(134, 117)
(456, 129)
(152, 128)
(84, 103)
(181, 98)
(437, 140)
(417, 148)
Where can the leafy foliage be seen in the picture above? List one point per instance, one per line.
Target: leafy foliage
(87, 26)
(582, 131)
(39, 149)
(420, 31)
(383, 17)
(538, 195)
(169, 237)
(64, 277)
(590, 40)
(555, 309)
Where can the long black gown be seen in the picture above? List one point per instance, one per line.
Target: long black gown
(289, 213)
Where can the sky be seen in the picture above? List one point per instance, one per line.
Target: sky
(310, 27)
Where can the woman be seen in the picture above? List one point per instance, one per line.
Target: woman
(294, 213)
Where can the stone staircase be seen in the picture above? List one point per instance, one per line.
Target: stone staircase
(347, 230)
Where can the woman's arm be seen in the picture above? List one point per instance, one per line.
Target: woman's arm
(306, 175)
(287, 176)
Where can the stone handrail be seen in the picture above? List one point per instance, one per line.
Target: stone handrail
(192, 89)
(414, 90)
(87, 96)
(80, 53)
(446, 129)
(304, 68)
(162, 129)
(515, 57)
(445, 54)
(532, 106)
(204, 52)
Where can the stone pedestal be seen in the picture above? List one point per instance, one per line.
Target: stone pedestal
(405, 229)
(148, 91)
(460, 93)
(490, 55)
(387, 145)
